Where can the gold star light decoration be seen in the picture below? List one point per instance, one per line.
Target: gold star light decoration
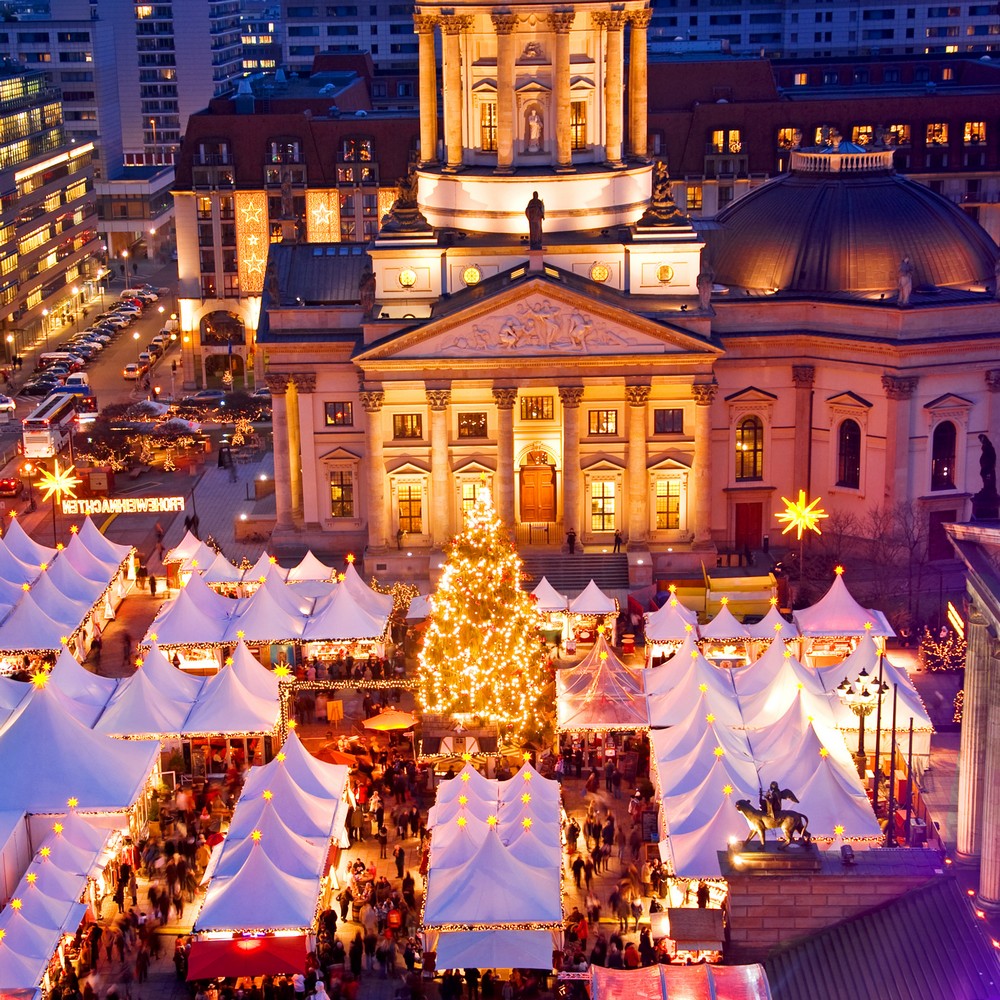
(59, 482)
(801, 515)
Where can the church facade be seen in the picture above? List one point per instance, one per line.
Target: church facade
(609, 367)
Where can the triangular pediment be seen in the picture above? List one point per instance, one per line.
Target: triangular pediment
(473, 467)
(408, 467)
(949, 401)
(751, 394)
(669, 464)
(339, 455)
(849, 398)
(604, 464)
(538, 318)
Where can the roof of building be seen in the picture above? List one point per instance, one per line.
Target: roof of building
(926, 943)
(838, 232)
(319, 273)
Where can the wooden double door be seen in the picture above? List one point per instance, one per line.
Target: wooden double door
(538, 493)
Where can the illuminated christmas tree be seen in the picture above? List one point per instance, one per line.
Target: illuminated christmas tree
(481, 657)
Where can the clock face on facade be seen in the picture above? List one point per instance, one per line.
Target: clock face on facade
(664, 273)
(600, 272)
(472, 275)
(407, 277)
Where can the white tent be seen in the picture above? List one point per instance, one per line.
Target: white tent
(493, 887)
(12, 693)
(212, 603)
(547, 598)
(420, 607)
(671, 623)
(493, 949)
(342, 617)
(309, 568)
(59, 606)
(71, 582)
(724, 626)
(378, 604)
(168, 680)
(221, 570)
(766, 628)
(184, 549)
(22, 545)
(199, 560)
(837, 613)
(87, 563)
(253, 674)
(314, 776)
(29, 627)
(259, 570)
(668, 708)
(263, 618)
(260, 896)
(105, 549)
(14, 570)
(593, 601)
(49, 758)
(658, 680)
(301, 857)
(184, 622)
(226, 705)
(309, 815)
(141, 709)
(78, 683)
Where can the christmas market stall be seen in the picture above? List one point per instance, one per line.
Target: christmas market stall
(724, 640)
(553, 611)
(692, 982)
(590, 609)
(666, 628)
(275, 869)
(494, 874)
(688, 679)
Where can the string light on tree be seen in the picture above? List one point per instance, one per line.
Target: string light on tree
(481, 657)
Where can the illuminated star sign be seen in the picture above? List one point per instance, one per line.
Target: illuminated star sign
(61, 482)
(255, 264)
(800, 515)
(31, 878)
(492, 820)
(526, 798)
(251, 212)
(256, 835)
(322, 215)
(727, 789)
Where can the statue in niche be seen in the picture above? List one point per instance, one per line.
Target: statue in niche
(905, 281)
(287, 196)
(533, 50)
(535, 130)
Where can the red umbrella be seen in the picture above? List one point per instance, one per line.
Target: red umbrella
(391, 718)
(332, 755)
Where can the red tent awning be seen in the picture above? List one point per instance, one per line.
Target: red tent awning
(256, 956)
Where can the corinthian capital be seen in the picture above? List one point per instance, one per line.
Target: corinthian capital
(304, 381)
(372, 400)
(438, 399)
(803, 376)
(637, 394)
(504, 22)
(640, 18)
(570, 395)
(704, 392)
(505, 398)
(562, 20)
(423, 24)
(613, 20)
(898, 387)
(278, 384)
(455, 24)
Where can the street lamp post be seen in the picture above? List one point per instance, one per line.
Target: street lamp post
(135, 337)
(45, 326)
(76, 309)
(861, 696)
(125, 258)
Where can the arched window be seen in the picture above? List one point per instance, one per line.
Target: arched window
(849, 455)
(943, 456)
(750, 448)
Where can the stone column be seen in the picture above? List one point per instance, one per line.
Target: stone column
(304, 467)
(613, 22)
(452, 26)
(972, 749)
(993, 388)
(638, 491)
(504, 500)
(504, 22)
(570, 397)
(423, 24)
(700, 497)
(562, 21)
(989, 865)
(898, 392)
(638, 97)
(278, 384)
(438, 400)
(803, 377)
(372, 401)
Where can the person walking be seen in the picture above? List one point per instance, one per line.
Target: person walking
(152, 585)
(571, 540)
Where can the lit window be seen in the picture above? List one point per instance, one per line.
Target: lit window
(943, 457)
(863, 135)
(668, 503)
(472, 425)
(849, 455)
(695, 196)
(353, 150)
(341, 494)
(407, 425)
(410, 510)
(603, 421)
(974, 132)
(469, 493)
(787, 138)
(602, 505)
(536, 408)
(488, 126)
(578, 124)
(897, 135)
(937, 134)
(726, 141)
(801, 80)
(339, 415)
(750, 449)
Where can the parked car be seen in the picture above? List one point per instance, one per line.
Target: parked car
(7, 404)
(133, 371)
(205, 397)
(145, 359)
(39, 386)
(115, 320)
(155, 350)
(10, 486)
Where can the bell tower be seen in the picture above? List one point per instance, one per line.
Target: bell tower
(534, 97)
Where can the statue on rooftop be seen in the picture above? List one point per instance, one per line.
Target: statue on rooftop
(535, 213)
(905, 281)
(791, 824)
(405, 215)
(662, 210)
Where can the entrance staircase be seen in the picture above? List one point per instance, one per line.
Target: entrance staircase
(570, 574)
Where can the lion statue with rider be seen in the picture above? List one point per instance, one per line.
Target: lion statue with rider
(792, 826)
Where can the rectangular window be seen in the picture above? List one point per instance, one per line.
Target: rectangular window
(578, 124)
(668, 421)
(863, 135)
(602, 505)
(407, 425)
(786, 137)
(937, 134)
(469, 493)
(472, 425)
(800, 80)
(974, 132)
(668, 503)
(341, 494)
(603, 421)
(897, 135)
(340, 414)
(410, 512)
(725, 195)
(536, 408)
(488, 126)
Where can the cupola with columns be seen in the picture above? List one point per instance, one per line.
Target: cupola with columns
(535, 97)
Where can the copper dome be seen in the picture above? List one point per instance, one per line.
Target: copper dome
(840, 223)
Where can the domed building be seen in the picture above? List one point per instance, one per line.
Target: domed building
(840, 222)
(535, 310)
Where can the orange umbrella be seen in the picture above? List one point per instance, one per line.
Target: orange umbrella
(332, 755)
(391, 718)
